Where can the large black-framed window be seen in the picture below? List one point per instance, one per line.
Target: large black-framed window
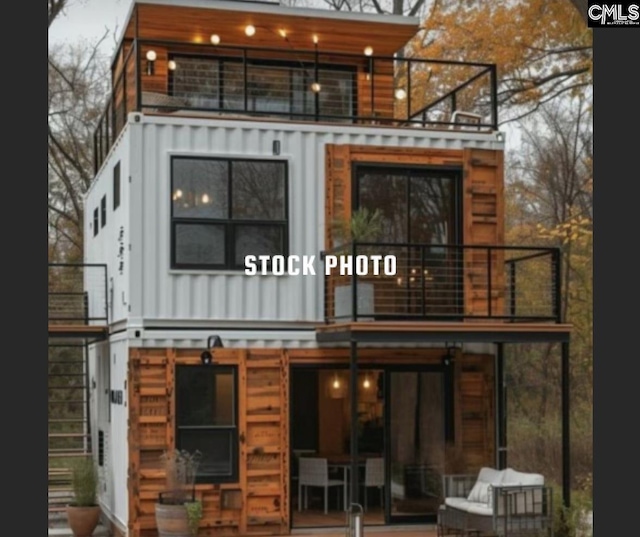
(279, 87)
(223, 209)
(207, 419)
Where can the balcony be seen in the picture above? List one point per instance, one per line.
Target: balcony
(296, 85)
(446, 283)
(77, 300)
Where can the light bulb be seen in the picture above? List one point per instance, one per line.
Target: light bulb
(151, 55)
(205, 198)
(368, 51)
(178, 194)
(315, 87)
(315, 39)
(282, 32)
(171, 65)
(215, 39)
(366, 384)
(336, 384)
(250, 30)
(401, 94)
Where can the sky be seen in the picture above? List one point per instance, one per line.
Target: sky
(89, 20)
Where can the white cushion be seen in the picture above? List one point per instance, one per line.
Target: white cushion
(479, 509)
(513, 477)
(481, 491)
(457, 503)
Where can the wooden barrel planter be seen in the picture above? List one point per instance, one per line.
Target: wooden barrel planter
(172, 520)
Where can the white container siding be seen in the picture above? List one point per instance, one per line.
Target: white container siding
(187, 298)
(108, 368)
(110, 245)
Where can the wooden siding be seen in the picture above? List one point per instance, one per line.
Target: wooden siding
(482, 210)
(258, 503)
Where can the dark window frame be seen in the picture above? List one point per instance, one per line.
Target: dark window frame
(234, 429)
(229, 223)
(305, 66)
(116, 186)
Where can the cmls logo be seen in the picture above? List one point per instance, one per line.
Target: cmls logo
(604, 14)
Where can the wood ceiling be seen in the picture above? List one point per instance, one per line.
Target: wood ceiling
(335, 32)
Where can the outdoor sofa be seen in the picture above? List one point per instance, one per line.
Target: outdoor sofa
(496, 502)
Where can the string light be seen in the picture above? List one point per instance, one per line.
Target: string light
(215, 39)
(250, 30)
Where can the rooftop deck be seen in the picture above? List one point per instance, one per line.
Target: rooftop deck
(300, 65)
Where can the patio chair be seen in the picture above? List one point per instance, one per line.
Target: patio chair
(314, 472)
(374, 477)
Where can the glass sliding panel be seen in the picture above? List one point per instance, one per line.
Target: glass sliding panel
(386, 190)
(269, 89)
(197, 81)
(336, 96)
(416, 442)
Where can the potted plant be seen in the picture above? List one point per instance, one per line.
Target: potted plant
(83, 514)
(178, 512)
(363, 226)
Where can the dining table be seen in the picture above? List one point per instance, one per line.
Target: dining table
(342, 461)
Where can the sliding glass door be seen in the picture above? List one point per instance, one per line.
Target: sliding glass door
(415, 444)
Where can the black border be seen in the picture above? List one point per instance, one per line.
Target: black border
(616, 149)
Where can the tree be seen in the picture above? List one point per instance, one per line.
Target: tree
(550, 202)
(542, 48)
(55, 7)
(78, 83)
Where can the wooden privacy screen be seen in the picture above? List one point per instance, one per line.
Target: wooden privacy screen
(482, 209)
(258, 503)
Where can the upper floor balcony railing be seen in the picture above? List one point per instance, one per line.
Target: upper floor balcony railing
(443, 282)
(296, 85)
(77, 294)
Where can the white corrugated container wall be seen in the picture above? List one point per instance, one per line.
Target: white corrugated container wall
(110, 245)
(162, 294)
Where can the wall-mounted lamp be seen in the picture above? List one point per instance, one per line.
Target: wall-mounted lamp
(213, 342)
(151, 61)
(449, 358)
(276, 147)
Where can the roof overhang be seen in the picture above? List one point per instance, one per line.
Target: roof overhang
(433, 332)
(193, 21)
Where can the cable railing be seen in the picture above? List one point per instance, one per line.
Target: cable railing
(441, 282)
(296, 85)
(77, 294)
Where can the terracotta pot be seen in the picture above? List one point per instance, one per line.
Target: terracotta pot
(83, 520)
(172, 520)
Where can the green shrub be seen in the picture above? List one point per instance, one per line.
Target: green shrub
(84, 481)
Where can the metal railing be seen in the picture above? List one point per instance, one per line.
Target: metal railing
(441, 282)
(77, 294)
(297, 85)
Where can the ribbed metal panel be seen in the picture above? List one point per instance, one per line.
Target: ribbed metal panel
(209, 295)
